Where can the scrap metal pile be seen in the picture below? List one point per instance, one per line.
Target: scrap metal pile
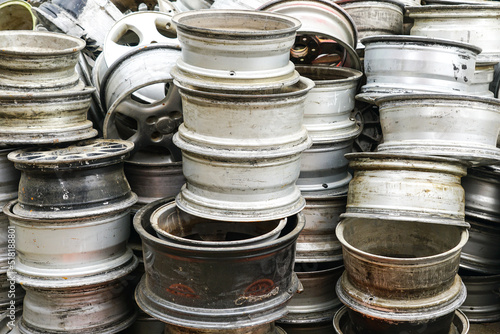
(270, 167)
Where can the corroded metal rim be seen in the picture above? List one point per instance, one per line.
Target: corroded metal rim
(464, 139)
(63, 117)
(481, 186)
(464, 236)
(82, 154)
(418, 40)
(260, 49)
(391, 310)
(244, 125)
(169, 218)
(450, 75)
(318, 300)
(49, 191)
(22, 328)
(399, 160)
(231, 313)
(126, 74)
(324, 121)
(341, 318)
(330, 75)
(143, 226)
(413, 185)
(269, 328)
(74, 44)
(324, 169)
(100, 308)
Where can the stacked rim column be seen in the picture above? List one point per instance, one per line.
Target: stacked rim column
(323, 182)
(70, 226)
(241, 141)
(479, 265)
(406, 189)
(327, 36)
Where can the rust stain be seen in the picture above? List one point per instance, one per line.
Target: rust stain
(182, 290)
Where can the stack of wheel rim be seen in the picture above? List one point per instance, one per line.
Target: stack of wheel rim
(323, 182)
(406, 212)
(327, 36)
(221, 256)
(479, 263)
(70, 222)
(8, 191)
(402, 234)
(143, 106)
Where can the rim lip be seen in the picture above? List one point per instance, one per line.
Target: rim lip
(300, 88)
(394, 2)
(146, 236)
(181, 240)
(46, 95)
(412, 39)
(177, 19)
(352, 74)
(342, 312)
(268, 8)
(456, 7)
(371, 257)
(39, 164)
(405, 156)
(430, 96)
(125, 59)
(79, 43)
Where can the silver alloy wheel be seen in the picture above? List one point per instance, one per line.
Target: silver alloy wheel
(390, 66)
(406, 187)
(143, 109)
(38, 61)
(235, 50)
(45, 117)
(475, 24)
(414, 123)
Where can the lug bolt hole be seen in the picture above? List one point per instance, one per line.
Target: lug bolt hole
(156, 136)
(151, 120)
